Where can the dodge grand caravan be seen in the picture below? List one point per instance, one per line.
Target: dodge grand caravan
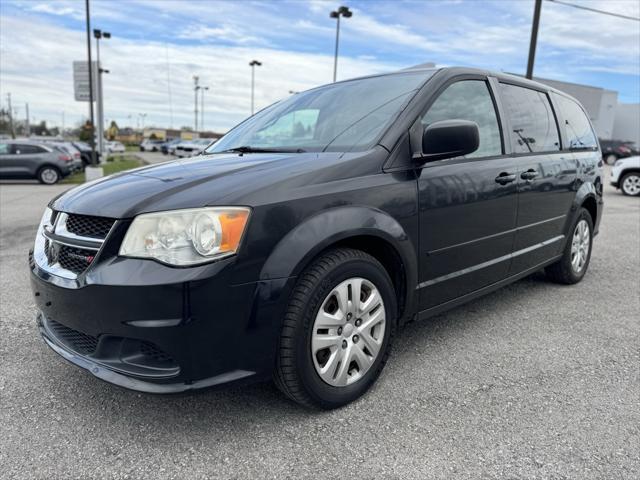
(295, 246)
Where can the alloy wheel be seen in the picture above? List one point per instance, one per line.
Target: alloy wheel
(580, 245)
(49, 176)
(348, 332)
(631, 185)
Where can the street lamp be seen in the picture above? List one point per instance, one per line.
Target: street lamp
(253, 64)
(196, 87)
(341, 12)
(202, 90)
(98, 34)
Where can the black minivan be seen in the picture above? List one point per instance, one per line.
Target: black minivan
(297, 244)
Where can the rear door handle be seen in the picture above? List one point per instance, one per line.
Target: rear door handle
(529, 174)
(505, 177)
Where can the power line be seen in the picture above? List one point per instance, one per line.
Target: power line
(581, 7)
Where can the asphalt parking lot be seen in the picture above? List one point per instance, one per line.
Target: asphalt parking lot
(534, 381)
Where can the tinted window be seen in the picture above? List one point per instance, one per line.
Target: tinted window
(533, 125)
(28, 149)
(343, 116)
(469, 100)
(576, 125)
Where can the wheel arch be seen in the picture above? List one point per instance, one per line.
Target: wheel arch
(358, 227)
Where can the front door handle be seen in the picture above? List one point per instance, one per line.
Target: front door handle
(505, 177)
(529, 174)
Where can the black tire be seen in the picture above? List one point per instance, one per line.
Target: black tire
(295, 374)
(628, 190)
(563, 271)
(48, 175)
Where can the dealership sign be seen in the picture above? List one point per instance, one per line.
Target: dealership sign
(81, 80)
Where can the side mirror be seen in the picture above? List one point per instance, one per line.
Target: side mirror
(448, 139)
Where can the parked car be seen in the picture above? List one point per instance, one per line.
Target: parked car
(148, 145)
(612, 150)
(115, 147)
(625, 175)
(189, 148)
(85, 152)
(68, 147)
(49, 163)
(296, 245)
(169, 146)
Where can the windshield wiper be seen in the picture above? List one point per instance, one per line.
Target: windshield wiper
(248, 149)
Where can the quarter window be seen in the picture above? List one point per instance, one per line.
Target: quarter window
(533, 125)
(469, 100)
(576, 125)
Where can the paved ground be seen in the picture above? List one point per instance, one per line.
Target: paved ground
(534, 381)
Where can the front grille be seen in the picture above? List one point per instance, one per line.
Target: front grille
(87, 226)
(77, 341)
(76, 260)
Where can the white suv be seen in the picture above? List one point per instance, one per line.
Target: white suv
(625, 175)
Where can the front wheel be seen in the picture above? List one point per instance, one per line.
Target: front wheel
(573, 265)
(630, 184)
(337, 331)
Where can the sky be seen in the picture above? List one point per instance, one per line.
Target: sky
(157, 46)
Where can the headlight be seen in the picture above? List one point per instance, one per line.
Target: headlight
(186, 237)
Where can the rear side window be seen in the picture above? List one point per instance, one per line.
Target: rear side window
(28, 149)
(469, 100)
(576, 124)
(533, 124)
(4, 149)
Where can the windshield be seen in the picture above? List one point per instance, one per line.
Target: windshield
(339, 117)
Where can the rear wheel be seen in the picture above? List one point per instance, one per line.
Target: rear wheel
(49, 175)
(573, 265)
(337, 331)
(630, 184)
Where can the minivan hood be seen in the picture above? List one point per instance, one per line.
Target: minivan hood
(187, 183)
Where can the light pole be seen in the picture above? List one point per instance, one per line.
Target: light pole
(253, 64)
(202, 90)
(142, 117)
(196, 87)
(98, 34)
(341, 12)
(534, 38)
(91, 80)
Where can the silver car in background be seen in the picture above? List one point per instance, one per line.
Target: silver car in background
(46, 162)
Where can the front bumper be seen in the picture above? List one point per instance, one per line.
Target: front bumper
(152, 328)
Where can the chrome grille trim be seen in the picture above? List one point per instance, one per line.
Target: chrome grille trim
(57, 233)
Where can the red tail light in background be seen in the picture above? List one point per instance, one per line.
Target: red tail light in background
(65, 158)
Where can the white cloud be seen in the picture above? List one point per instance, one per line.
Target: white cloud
(39, 71)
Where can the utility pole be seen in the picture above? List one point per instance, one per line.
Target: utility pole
(27, 126)
(13, 133)
(341, 12)
(534, 38)
(93, 137)
(253, 64)
(196, 87)
(202, 90)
